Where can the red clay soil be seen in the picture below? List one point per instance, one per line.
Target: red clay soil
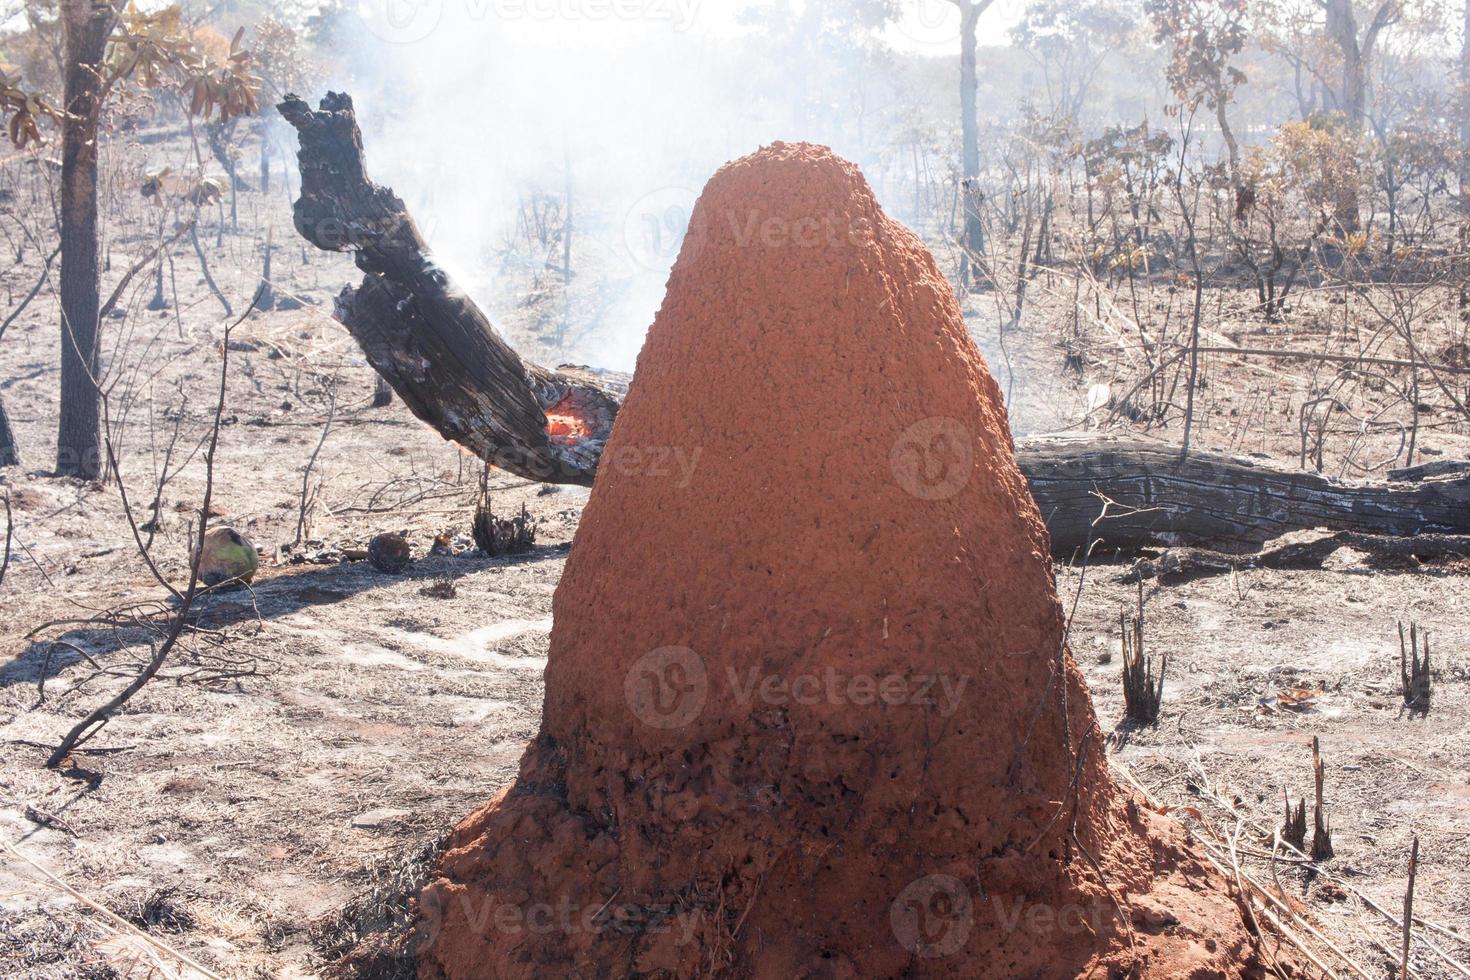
(803, 716)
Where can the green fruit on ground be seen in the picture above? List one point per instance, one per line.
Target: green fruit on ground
(228, 557)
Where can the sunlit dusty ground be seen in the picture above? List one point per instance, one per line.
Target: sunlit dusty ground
(234, 820)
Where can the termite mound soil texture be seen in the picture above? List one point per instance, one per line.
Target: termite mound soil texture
(808, 711)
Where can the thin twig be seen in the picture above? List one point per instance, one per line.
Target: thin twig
(117, 921)
(99, 716)
(9, 534)
(35, 290)
(306, 495)
(1409, 908)
(137, 267)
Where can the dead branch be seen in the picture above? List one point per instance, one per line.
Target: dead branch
(1355, 359)
(307, 497)
(9, 534)
(137, 267)
(35, 291)
(193, 229)
(1186, 564)
(432, 344)
(101, 715)
(1409, 908)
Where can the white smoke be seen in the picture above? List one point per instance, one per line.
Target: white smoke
(470, 107)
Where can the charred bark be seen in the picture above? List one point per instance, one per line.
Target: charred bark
(9, 453)
(436, 349)
(1123, 494)
(86, 25)
(440, 354)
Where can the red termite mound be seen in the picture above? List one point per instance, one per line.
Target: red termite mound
(808, 711)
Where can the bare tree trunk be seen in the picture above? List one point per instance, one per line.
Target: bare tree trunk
(9, 453)
(86, 25)
(1342, 27)
(1357, 56)
(974, 232)
(1465, 115)
(265, 295)
(1232, 147)
(221, 138)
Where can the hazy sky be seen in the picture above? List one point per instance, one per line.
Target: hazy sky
(926, 27)
(472, 106)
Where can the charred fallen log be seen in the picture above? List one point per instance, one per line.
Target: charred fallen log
(441, 355)
(1185, 564)
(433, 345)
(1126, 493)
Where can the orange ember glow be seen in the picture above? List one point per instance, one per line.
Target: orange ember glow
(563, 425)
(565, 428)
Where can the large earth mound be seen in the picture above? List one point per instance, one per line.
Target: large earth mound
(808, 710)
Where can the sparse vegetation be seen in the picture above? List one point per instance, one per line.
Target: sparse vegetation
(1229, 227)
(1143, 690)
(1415, 673)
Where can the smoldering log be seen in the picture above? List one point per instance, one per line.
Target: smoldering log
(441, 355)
(431, 343)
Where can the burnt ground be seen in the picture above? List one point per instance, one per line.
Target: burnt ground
(234, 817)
